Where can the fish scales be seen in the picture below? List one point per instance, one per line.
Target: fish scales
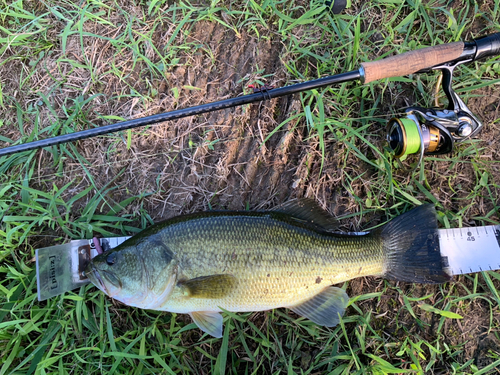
(276, 263)
(251, 261)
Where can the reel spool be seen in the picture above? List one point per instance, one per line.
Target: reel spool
(406, 136)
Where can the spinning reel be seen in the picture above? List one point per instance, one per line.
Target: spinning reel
(434, 131)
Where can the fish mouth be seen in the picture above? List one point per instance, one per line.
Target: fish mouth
(95, 278)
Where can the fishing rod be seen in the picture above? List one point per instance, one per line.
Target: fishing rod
(429, 131)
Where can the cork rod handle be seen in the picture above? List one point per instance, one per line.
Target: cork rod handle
(412, 61)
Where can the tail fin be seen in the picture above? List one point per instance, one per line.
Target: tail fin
(411, 246)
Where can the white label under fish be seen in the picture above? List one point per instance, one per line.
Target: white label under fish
(469, 250)
(60, 268)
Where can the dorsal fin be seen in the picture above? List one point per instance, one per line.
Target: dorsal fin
(306, 209)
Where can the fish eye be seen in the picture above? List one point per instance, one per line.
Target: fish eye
(111, 259)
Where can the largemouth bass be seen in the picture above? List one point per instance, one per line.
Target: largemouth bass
(252, 261)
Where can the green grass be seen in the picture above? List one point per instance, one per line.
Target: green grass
(67, 65)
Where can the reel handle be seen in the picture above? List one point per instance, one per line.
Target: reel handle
(412, 61)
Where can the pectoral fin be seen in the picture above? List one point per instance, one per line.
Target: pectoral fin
(213, 286)
(209, 322)
(324, 308)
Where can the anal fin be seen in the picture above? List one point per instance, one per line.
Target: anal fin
(209, 322)
(324, 308)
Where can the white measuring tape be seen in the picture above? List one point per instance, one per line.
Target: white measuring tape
(59, 268)
(469, 250)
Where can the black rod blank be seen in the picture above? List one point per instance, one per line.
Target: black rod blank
(265, 94)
